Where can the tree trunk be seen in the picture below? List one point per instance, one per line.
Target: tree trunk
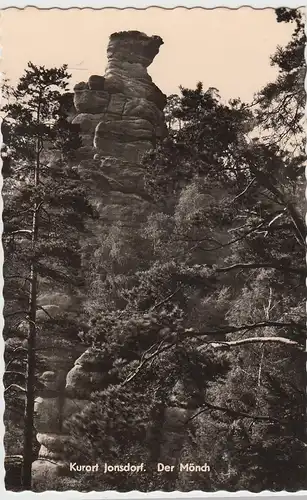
(31, 341)
(30, 386)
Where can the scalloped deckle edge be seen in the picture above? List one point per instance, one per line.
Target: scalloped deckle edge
(144, 4)
(135, 494)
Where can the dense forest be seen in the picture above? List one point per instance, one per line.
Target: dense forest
(198, 304)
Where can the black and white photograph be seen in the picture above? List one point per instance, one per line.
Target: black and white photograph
(153, 243)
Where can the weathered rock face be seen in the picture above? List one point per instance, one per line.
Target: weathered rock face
(121, 117)
(122, 111)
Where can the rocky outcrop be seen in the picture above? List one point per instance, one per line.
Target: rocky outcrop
(121, 117)
(121, 113)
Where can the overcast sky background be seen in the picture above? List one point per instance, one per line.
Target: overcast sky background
(223, 48)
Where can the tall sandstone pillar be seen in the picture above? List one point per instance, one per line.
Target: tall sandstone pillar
(121, 117)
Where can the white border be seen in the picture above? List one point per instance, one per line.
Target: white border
(132, 495)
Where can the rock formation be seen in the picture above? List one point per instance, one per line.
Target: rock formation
(121, 117)
(122, 112)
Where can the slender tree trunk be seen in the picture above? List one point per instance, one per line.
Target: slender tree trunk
(31, 340)
(31, 367)
(30, 387)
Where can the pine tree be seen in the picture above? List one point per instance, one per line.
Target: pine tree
(45, 208)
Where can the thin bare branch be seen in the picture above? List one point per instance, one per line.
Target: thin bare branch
(45, 311)
(166, 299)
(244, 190)
(146, 360)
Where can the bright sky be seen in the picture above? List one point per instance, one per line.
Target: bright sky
(223, 48)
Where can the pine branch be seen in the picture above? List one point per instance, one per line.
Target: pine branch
(253, 340)
(226, 344)
(234, 413)
(266, 182)
(20, 231)
(13, 372)
(264, 265)
(8, 315)
(15, 386)
(17, 276)
(247, 327)
(14, 358)
(235, 240)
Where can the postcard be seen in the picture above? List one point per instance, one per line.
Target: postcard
(154, 249)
